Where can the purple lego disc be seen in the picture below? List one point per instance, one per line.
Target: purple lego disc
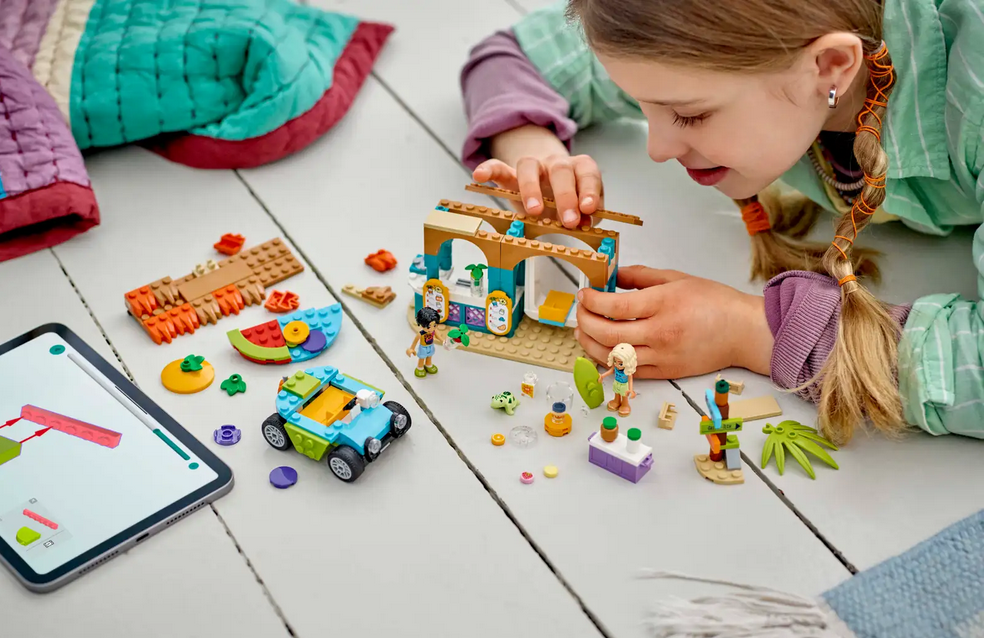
(227, 435)
(315, 342)
(283, 477)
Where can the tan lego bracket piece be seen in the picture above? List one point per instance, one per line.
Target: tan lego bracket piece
(667, 416)
(374, 295)
(532, 343)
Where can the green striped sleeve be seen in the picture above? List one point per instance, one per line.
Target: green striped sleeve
(558, 51)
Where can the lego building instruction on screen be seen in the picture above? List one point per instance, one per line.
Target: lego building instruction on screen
(77, 465)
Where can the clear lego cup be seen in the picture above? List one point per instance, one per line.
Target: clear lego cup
(561, 392)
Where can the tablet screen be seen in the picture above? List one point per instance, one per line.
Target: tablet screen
(79, 461)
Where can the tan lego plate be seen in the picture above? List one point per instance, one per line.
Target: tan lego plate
(533, 343)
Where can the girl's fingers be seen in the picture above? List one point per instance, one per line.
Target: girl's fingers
(497, 171)
(564, 186)
(588, 184)
(640, 277)
(528, 173)
(620, 305)
(611, 333)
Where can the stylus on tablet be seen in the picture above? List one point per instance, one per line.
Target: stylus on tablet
(126, 402)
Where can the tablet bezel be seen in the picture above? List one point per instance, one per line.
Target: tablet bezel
(150, 525)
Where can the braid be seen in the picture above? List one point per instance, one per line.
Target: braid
(859, 377)
(777, 223)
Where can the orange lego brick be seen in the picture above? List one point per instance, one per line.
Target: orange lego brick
(230, 244)
(381, 261)
(229, 300)
(141, 302)
(165, 326)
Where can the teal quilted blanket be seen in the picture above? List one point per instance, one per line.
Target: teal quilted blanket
(209, 83)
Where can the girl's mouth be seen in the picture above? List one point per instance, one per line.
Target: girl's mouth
(708, 176)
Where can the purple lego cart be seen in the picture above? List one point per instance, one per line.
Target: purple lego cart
(616, 459)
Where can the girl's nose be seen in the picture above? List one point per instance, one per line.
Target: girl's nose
(663, 148)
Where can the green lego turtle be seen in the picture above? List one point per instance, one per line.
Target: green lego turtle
(506, 401)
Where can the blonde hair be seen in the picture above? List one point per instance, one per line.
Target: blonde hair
(625, 353)
(858, 379)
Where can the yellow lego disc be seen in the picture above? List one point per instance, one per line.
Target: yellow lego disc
(550, 471)
(180, 382)
(498, 439)
(296, 333)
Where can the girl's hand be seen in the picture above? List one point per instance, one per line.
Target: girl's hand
(680, 325)
(573, 182)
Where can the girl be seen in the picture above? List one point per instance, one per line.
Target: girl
(871, 109)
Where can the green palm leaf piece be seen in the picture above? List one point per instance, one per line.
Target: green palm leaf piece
(460, 334)
(797, 439)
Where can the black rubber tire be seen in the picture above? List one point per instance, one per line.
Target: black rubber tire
(396, 408)
(346, 457)
(275, 423)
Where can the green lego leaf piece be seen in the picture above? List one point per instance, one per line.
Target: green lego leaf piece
(192, 363)
(817, 451)
(770, 444)
(801, 458)
(461, 334)
(233, 384)
(26, 536)
(797, 439)
(588, 384)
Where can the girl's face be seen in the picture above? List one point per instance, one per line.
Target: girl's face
(618, 363)
(736, 132)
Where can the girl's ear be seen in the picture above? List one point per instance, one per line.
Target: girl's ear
(837, 58)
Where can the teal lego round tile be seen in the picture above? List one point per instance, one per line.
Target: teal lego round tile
(57, 349)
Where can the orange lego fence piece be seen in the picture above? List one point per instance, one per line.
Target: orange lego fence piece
(282, 301)
(230, 244)
(168, 308)
(381, 260)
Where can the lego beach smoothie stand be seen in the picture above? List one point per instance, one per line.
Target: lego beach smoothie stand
(513, 320)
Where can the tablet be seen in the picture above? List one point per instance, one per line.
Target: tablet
(89, 466)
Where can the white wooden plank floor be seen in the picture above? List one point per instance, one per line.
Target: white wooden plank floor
(439, 537)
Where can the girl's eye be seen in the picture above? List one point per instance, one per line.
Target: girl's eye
(685, 121)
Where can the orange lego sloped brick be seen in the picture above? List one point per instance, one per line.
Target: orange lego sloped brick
(229, 300)
(165, 326)
(141, 302)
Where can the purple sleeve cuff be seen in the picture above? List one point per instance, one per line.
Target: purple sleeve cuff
(502, 91)
(803, 309)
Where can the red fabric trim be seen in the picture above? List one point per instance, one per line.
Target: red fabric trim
(351, 70)
(45, 217)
